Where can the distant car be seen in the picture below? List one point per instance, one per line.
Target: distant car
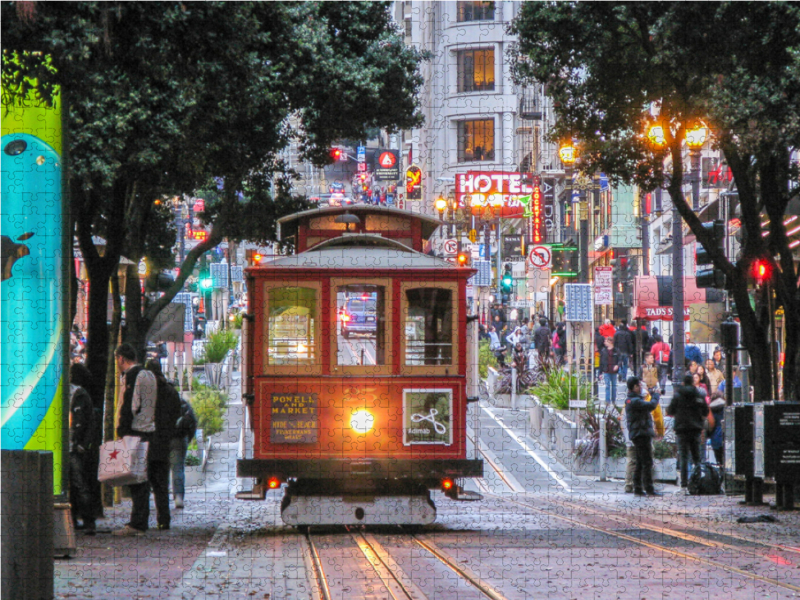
(336, 199)
(359, 315)
(337, 187)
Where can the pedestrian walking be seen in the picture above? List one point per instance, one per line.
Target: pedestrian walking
(81, 440)
(494, 339)
(137, 417)
(714, 375)
(185, 431)
(717, 435)
(661, 353)
(642, 432)
(624, 343)
(689, 409)
(607, 328)
(541, 340)
(609, 367)
(649, 373)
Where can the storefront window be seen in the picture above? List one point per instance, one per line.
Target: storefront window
(428, 327)
(361, 325)
(292, 325)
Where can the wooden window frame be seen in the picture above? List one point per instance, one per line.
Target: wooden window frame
(390, 322)
(299, 369)
(450, 370)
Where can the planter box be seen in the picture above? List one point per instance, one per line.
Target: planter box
(194, 476)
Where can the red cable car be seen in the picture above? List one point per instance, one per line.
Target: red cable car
(355, 376)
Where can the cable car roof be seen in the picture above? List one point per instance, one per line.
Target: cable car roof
(287, 226)
(348, 251)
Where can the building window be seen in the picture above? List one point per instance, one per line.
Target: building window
(475, 11)
(475, 70)
(476, 140)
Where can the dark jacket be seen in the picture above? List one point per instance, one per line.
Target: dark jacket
(608, 360)
(689, 409)
(81, 428)
(717, 437)
(637, 412)
(125, 425)
(541, 339)
(168, 411)
(187, 423)
(624, 341)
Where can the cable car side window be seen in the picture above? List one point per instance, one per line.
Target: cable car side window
(292, 327)
(428, 327)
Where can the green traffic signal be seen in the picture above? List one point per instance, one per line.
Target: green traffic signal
(206, 283)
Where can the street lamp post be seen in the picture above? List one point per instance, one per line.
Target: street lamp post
(441, 206)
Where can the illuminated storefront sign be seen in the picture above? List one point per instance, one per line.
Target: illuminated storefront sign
(495, 193)
(537, 216)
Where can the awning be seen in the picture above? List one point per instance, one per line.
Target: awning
(653, 297)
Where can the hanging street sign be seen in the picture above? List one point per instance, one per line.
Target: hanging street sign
(387, 165)
(450, 246)
(413, 183)
(541, 257)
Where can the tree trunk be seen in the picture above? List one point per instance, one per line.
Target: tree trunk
(97, 338)
(111, 379)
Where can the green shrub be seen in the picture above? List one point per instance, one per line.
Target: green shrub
(237, 321)
(217, 346)
(486, 359)
(663, 450)
(209, 406)
(559, 387)
(618, 452)
(192, 460)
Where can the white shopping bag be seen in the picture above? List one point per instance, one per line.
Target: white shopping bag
(123, 462)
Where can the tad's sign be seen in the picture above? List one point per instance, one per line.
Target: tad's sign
(494, 193)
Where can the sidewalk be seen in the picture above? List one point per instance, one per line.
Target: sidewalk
(152, 565)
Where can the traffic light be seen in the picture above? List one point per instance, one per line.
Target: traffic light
(709, 276)
(206, 283)
(337, 154)
(507, 281)
(762, 271)
(257, 258)
(462, 260)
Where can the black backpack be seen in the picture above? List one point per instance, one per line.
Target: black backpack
(187, 422)
(706, 480)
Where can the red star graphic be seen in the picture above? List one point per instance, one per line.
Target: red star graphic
(113, 454)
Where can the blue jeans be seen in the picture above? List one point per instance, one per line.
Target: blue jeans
(623, 367)
(177, 459)
(611, 387)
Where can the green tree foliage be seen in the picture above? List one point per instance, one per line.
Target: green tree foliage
(165, 98)
(736, 67)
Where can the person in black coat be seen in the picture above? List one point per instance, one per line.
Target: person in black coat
(541, 340)
(624, 343)
(82, 427)
(641, 432)
(609, 367)
(168, 411)
(689, 409)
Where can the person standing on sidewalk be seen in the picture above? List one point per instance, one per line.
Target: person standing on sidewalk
(136, 417)
(642, 432)
(661, 350)
(689, 408)
(623, 342)
(168, 411)
(650, 374)
(609, 367)
(81, 439)
(541, 340)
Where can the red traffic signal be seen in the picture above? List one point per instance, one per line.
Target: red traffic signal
(257, 258)
(462, 259)
(762, 271)
(336, 153)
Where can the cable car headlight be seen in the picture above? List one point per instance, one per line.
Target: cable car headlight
(362, 421)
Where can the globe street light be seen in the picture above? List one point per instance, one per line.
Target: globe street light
(441, 205)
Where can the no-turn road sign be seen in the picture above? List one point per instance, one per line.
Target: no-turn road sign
(450, 246)
(541, 257)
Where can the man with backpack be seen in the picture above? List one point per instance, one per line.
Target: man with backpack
(185, 430)
(689, 408)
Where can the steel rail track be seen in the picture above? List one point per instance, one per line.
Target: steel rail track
(652, 545)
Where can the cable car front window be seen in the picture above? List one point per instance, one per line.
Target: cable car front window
(428, 327)
(292, 322)
(361, 325)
